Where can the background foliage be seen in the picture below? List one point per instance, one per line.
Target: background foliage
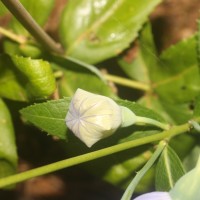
(100, 39)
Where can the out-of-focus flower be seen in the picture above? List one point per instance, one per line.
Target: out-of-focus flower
(92, 117)
(154, 196)
(188, 186)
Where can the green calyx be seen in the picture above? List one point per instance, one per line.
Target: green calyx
(129, 118)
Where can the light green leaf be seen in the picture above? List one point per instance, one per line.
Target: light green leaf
(40, 11)
(169, 169)
(191, 159)
(24, 78)
(8, 154)
(94, 30)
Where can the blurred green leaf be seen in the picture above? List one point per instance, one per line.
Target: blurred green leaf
(23, 78)
(79, 74)
(179, 78)
(168, 170)
(3, 9)
(197, 107)
(192, 158)
(145, 58)
(40, 11)
(198, 42)
(93, 30)
(8, 154)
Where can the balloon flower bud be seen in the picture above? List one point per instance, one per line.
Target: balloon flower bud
(92, 117)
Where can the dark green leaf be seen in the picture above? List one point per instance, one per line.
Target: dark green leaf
(145, 59)
(169, 169)
(23, 78)
(79, 74)
(40, 11)
(93, 31)
(8, 154)
(197, 107)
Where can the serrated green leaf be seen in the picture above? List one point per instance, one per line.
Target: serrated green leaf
(169, 169)
(100, 30)
(8, 154)
(24, 78)
(40, 11)
(49, 116)
(179, 79)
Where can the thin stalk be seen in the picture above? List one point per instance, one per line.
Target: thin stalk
(130, 189)
(17, 9)
(176, 130)
(154, 122)
(127, 82)
(12, 36)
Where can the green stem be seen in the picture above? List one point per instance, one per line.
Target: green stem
(17, 9)
(150, 121)
(176, 130)
(12, 36)
(127, 82)
(130, 189)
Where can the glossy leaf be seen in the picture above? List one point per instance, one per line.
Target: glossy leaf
(50, 116)
(40, 11)
(94, 30)
(8, 154)
(169, 169)
(24, 78)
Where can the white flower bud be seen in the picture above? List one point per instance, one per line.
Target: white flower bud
(92, 117)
